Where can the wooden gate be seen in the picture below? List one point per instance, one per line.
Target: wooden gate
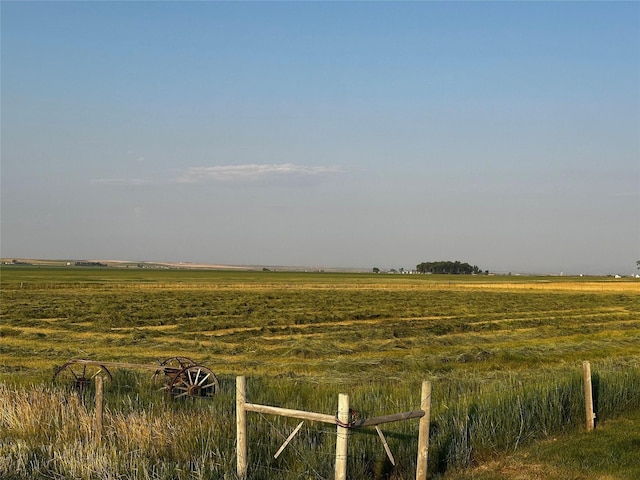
(343, 423)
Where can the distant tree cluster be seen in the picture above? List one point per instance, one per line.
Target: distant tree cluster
(90, 264)
(454, 268)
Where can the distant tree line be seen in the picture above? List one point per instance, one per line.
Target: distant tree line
(90, 264)
(454, 268)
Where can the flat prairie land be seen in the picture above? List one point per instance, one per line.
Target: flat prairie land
(324, 326)
(504, 355)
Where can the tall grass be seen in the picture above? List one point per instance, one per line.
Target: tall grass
(49, 433)
(46, 433)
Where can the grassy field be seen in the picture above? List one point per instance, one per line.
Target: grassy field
(503, 353)
(610, 452)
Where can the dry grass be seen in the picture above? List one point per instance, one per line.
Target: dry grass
(47, 433)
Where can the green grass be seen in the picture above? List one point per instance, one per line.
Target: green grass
(609, 452)
(504, 355)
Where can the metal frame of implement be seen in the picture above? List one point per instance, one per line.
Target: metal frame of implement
(182, 376)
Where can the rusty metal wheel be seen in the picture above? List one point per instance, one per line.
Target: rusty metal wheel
(194, 381)
(80, 374)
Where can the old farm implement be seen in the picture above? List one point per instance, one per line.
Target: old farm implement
(182, 376)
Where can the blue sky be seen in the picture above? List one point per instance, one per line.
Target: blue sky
(323, 134)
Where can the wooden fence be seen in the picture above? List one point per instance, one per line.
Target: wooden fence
(343, 423)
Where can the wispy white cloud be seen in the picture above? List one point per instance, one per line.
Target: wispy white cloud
(282, 173)
(252, 173)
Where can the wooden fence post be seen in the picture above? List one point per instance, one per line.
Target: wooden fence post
(588, 396)
(342, 436)
(99, 410)
(241, 427)
(423, 433)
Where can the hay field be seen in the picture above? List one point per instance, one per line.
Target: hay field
(325, 327)
(504, 355)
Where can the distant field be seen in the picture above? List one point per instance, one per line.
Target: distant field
(317, 325)
(301, 338)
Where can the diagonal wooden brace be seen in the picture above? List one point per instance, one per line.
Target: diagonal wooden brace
(386, 446)
(286, 442)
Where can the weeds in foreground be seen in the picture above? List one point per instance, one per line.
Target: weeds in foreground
(49, 433)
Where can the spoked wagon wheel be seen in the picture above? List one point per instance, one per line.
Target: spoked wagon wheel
(194, 381)
(80, 375)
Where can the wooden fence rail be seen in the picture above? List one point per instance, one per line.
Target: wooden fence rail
(343, 425)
